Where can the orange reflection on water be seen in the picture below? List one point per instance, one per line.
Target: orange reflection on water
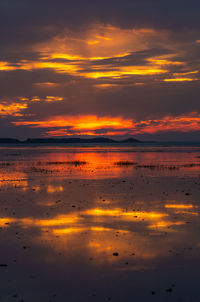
(79, 230)
(4, 222)
(106, 236)
(57, 221)
(13, 178)
(183, 209)
(165, 224)
(179, 206)
(69, 230)
(187, 212)
(118, 212)
(98, 164)
(53, 189)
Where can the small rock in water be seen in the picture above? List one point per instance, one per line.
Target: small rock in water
(169, 290)
(115, 254)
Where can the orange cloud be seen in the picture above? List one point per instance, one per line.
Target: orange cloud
(164, 62)
(183, 123)
(6, 66)
(180, 80)
(179, 206)
(79, 54)
(56, 66)
(15, 108)
(87, 54)
(48, 98)
(91, 122)
(94, 125)
(46, 84)
(102, 41)
(117, 72)
(12, 108)
(104, 86)
(178, 74)
(77, 68)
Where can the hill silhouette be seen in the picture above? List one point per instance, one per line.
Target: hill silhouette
(71, 140)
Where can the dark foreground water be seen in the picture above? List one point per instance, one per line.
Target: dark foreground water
(100, 224)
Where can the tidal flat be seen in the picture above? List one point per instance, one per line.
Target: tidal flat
(84, 224)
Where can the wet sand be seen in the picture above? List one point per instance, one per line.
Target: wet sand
(99, 224)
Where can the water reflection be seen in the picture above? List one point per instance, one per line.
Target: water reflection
(58, 217)
(53, 189)
(13, 178)
(98, 163)
(105, 230)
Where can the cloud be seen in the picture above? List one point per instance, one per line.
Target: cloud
(18, 107)
(181, 79)
(84, 58)
(114, 53)
(13, 108)
(94, 125)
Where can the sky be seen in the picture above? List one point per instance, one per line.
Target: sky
(110, 68)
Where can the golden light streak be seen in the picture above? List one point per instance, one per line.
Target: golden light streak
(48, 98)
(52, 222)
(181, 80)
(78, 68)
(179, 74)
(106, 85)
(56, 66)
(165, 224)
(70, 57)
(164, 62)
(69, 230)
(79, 230)
(93, 42)
(6, 66)
(179, 206)
(53, 98)
(125, 71)
(64, 56)
(119, 213)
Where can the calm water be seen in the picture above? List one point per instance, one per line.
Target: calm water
(100, 223)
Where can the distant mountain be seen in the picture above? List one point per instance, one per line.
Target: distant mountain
(72, 140)
(9, 141)
(131, 140)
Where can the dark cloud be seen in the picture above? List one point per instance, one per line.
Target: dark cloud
(28, 21)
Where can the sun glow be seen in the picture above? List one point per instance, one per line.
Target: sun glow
(89, 124)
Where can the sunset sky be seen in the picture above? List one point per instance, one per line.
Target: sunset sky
(100, 68)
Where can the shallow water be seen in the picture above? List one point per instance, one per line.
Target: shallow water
(99, 224)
